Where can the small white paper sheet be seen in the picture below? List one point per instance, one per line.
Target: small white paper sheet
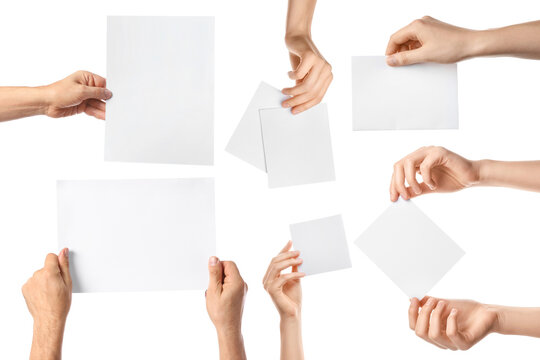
(246, 142)
(322, 245)
(298, 148)
(414, 97)
(161, 73)
(409, 248)
(137, 235)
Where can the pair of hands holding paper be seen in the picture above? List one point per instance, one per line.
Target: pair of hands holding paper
(225, 302)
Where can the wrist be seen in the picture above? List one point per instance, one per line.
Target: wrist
(483, 173)
(482, 43)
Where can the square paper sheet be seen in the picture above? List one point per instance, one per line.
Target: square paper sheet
(409, 248)
(137, 235)
(161, 73)
(322, 245)
(246, 142)
(297, 148)
(421, 96)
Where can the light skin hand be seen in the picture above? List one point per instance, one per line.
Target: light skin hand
(80, 92)
(452, 324)
(225, 304)
(48, 297)
(286, 293)
(311, 72)
(441, 171)
(430, 40)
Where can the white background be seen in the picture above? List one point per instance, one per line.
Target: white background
(351, 314)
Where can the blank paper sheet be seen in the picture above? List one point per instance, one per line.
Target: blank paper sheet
(421, 96)
(409, 248)
(297, 148)
(137, 235)
(246, 142)
(161, 73)
(322, 245)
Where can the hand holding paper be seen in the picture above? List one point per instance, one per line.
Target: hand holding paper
(225, 304)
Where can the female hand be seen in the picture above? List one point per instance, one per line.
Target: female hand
(312, 73)
(285, 289)
(441, 171)
(451, 324)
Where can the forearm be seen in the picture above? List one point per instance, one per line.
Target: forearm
(47, 341)
(291, 339)
(231, 345)
(19, 102)
(522, 40)
(299, 17)
(518, 321)
(523, 175)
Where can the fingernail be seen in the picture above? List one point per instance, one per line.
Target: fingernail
(213, 261)
(431, 187)
(295, 111)
(300, 260)
(417, 191)
(108, 94)
(453, 312)
(440, 304)
(286, 105)
(66, 252)
(391, 60)
(431, 301)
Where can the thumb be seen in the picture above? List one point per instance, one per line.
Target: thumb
(92, 92)
(408, 57)
(215, 274)
(63, 262)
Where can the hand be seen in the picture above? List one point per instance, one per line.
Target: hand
(79, 92)
(285, 289)
(429, 40)
(311, 72)
(48, 297)
(441, 171)
(48, 291)
(451, 324)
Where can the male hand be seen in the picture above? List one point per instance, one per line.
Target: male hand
(78, 93)
(429, 40)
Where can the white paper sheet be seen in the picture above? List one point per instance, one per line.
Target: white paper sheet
(161, 73)
(137, 235)
(409, 248)
(322, 245)
(246, 142)
(422, 96)
(297, 148)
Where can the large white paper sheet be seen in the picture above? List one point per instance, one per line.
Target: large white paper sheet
(297, 148)
(246, 142)
(421, 96)
(137, 235)
(322, 245)
(161, 73)
(409, 248)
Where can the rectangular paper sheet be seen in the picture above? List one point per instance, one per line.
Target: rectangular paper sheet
(409, 248)
(297, 148)
(421, 96)
(137, 235)
(322, 245)
(161, 73)
(246, 142)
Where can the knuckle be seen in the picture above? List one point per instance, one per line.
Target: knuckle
(418, 22)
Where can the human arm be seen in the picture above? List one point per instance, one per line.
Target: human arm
(430, 40)
(460, 324)
(444, 171)
(48, 297)
(311, 72)
(286, 293)
(78, 93)
(225, 304)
